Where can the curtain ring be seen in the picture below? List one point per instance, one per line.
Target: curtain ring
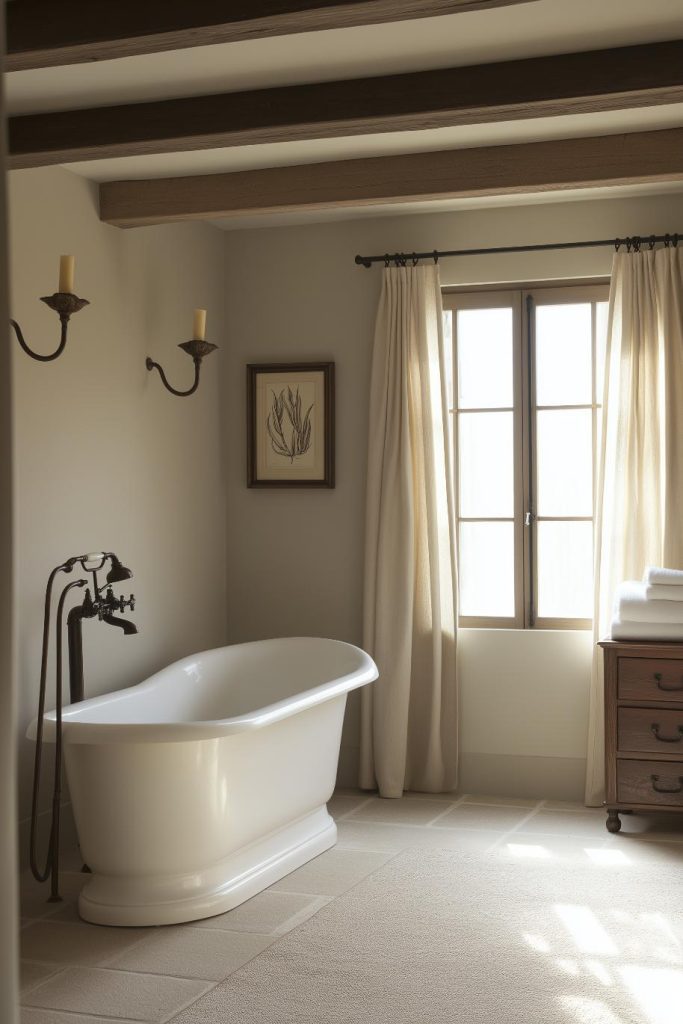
(386, 259)
(636, 243)
(415, 260)
(617, 244)
(435, 257)
(675, 240)
(651, 243)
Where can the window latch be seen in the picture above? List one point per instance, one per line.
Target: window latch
(529, 518)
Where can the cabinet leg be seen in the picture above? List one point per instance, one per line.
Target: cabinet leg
(613, 821)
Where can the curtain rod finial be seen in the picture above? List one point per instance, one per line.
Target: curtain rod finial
(363, 261)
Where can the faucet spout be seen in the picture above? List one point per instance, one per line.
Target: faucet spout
(128, 627)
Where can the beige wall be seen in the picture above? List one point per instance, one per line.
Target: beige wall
(295, 557)
(105, 457)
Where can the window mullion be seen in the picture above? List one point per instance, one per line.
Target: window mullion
(528, 498)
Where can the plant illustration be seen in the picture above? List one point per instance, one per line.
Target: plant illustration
(289, 432)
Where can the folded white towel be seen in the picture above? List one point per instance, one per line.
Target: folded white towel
(668, 577)
(624, 630)
(663, 592)
(632, 605)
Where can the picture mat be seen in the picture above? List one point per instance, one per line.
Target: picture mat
(269, 464)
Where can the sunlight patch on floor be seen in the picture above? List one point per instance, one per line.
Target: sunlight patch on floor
(569, 967)
(586, 930)
(600, 972)
(658, 991)
(528, 850)
(609, 858)
(590, 1011)
(536, 942)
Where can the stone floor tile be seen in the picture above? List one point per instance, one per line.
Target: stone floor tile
(116, 994)
(185, 952)
(268, 913)
(332, 873)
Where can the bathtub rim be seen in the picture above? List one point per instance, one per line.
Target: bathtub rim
(75, 731)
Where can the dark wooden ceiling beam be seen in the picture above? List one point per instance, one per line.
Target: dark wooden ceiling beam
(572, 83)
(498, 170)
(44, 33)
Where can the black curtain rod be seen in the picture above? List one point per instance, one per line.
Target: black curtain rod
(635, 242)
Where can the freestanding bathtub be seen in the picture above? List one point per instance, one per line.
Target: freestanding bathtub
(199, 787)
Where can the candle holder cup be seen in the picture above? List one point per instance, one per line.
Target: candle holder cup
(65, 304)
(197, 350)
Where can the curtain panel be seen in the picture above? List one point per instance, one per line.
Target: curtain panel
(409, 721)
(639, 493)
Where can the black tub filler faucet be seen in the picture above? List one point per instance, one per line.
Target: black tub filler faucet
(99, 602)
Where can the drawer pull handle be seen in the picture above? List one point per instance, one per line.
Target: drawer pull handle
(667, 689)
(667, 789)
(666, 739)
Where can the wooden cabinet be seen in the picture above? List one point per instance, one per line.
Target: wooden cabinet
(643, 727)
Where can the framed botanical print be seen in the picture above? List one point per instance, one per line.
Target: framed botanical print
(290, 425)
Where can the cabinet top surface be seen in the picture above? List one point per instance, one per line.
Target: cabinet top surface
(647, 648)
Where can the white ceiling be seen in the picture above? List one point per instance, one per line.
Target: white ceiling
(539, 27)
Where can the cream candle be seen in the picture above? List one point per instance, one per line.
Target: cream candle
(199, 333)
(66, 273)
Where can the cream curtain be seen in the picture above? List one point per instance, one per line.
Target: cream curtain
(639, 495)
(409, 716)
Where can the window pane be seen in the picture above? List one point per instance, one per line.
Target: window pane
(486, 464)
(565, 570)
(563, 354)
(448, 354)
(601, 309)
(564, 454)
(486, 569)
(484, 358)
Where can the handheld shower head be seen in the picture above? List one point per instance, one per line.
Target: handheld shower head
(118, 573)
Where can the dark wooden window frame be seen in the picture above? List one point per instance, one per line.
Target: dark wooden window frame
(523, 409)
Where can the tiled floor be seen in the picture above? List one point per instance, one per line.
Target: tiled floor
(76, 973)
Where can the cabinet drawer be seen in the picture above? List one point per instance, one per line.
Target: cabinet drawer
(650, 679)
(650, 782)
(653, 730)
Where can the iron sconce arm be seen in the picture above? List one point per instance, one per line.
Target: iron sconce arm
(65, 304)
(196, 349)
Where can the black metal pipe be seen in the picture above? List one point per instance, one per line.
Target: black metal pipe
(634, 242)
(57, 786)
(74, 627)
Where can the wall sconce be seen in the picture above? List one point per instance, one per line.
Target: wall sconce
(64, 302)
(197, 348)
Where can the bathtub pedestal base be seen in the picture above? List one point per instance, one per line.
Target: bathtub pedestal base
(156, 900)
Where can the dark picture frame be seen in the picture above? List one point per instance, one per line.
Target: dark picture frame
(289, 442)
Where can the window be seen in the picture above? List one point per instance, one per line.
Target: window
(524, 388)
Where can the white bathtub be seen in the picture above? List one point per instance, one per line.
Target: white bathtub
(199, 787)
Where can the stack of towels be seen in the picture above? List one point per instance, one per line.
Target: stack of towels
(651, 609)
